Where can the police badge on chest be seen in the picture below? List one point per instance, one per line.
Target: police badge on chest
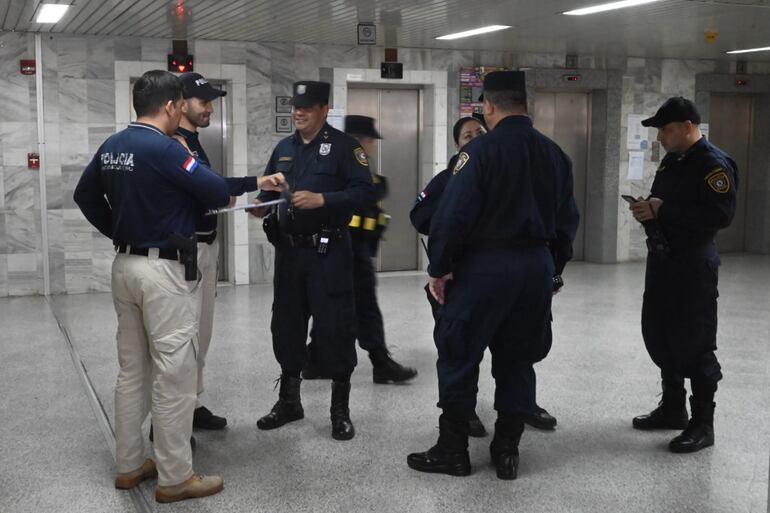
(325, 149)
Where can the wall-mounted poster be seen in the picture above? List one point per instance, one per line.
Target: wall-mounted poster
(471, 82)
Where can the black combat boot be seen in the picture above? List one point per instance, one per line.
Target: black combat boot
(204, 419)
(671, 412)
(476, 428)
(287, 409)
(699, 432)
(504, 448)
(386, 370)
(541, 419)
(342, 426)
(450, 454)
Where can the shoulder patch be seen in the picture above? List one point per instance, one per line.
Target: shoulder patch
(462, 159)
(361, 156)
(718, 180)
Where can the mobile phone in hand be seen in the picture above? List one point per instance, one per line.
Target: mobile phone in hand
(630, 199)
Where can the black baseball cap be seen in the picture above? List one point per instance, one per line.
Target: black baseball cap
(309, 92)
(196, 86)
(676, 109)
(361, 125)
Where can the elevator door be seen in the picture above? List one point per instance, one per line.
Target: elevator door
(565, 118)
(396, 158)
(212, 138)
(730, 129)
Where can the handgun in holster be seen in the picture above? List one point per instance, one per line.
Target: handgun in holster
(271, 227)
(657, 244)
(188, 254)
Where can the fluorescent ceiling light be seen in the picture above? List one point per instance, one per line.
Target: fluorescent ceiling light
(750, 50)
(608, 7)
(51, 13)
(474, 32)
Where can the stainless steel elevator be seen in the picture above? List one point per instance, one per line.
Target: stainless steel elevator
(566, 118)
(730, 124)
(397, 112)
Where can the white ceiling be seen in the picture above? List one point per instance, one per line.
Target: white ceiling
(670, 28)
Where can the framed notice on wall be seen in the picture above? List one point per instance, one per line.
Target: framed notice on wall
(283, 124)
(471, 82)
(283, 104)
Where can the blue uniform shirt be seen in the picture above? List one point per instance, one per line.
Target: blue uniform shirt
(237, 185)
(333, 164)
(510, 184)
(698, 190)
(143, 185)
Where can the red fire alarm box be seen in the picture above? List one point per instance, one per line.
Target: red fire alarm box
(33, 160)
(27, 66)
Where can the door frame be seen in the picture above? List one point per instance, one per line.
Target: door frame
(433, 116)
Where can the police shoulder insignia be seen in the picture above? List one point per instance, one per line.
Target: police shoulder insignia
(718, 180)
(361, 156)
(462, 159)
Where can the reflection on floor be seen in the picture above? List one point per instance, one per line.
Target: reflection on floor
(597, 377)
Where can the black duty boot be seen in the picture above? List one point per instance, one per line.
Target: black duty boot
(193, 443)
(204, 419)
(386, 370)
(504, 448)
(342, 426)
(287, 409)
(541, 419)
(699, 432)
(449, 455)
(476, 428)
(311, 371)
(671, 412)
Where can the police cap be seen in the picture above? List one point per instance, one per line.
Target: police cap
(505, 81)
(195, 86)
(361, 125)
(308, 93)
(675, 109)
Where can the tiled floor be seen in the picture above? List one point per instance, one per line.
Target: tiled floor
(596, 378)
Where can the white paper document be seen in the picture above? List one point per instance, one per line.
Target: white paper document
(635, 165)
(637, 134)
(244, 207)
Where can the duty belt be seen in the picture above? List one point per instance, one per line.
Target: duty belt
(510, 243)
(309, 241)
(165, 253)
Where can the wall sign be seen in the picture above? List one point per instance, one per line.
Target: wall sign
(283, 104)
(283, 124)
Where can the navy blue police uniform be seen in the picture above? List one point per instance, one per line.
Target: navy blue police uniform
(509, 196)
(153, 188)
(314, 278)
(679, 311)
(679, 314)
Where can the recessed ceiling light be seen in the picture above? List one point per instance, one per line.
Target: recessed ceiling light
(750, 50)
(51, 13)
(608, 7)
(474, 32)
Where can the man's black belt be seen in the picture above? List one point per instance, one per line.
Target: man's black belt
(309, 241)
(165, 253)
(510, 243)
(208, 238)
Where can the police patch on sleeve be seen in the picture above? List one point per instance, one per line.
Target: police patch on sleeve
(462, 159)
(718, 180)
(361, 156)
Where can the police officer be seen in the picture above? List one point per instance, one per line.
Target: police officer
(152, 187)
(329, 178)
(366, 227)
(692, 197)
(509, 197)
(196, 113)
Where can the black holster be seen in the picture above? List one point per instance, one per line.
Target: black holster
(188, 254)
(272, 228)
